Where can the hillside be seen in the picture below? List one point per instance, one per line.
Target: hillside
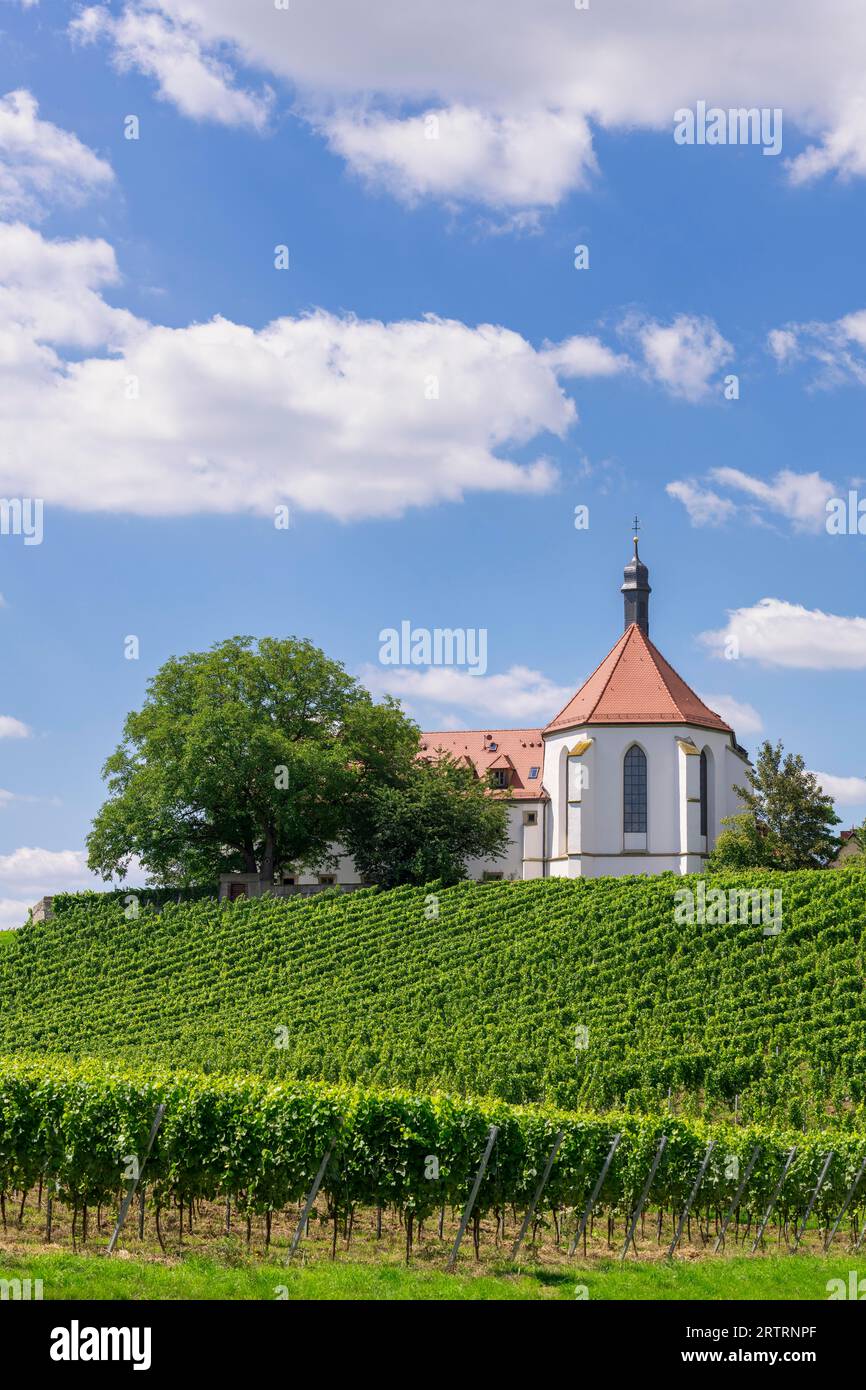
(486, 998)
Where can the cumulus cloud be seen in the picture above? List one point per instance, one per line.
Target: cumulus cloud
(172, 52)
(800, 498)
(777, 633)
(836, 349)
(517, 695)
(462, 153)
(28, 874)
(505, 75)
(704, 506)
(51, 871)
(684, 356)
(742, 717)
(12, 728)
(845, 791)
(354, 418)
(40, 164)
(13, 912)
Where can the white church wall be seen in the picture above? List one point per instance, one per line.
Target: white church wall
(588, 829)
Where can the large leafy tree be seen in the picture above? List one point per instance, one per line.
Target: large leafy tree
(787, 822)
(246, 757)
(426, 826)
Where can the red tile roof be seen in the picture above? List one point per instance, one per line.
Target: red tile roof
(635, 685)
(520, 749)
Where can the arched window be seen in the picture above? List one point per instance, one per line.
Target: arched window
(704, 793)
(634, 792)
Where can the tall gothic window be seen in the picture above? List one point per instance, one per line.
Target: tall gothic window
(634, 792)
(704, 816)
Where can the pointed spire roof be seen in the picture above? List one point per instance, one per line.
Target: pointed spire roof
(635, 685)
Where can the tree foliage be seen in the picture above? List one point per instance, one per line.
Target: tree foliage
(788, 821)
(427, 826)
(246, 757)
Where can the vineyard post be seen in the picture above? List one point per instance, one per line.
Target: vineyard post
(692, 1195)
(775, 1197)
(737, 1197)
(851, 1190)
(813, 1199)
(860, 1239)
(467, 1210)
(127, 1201)
(311, 1197)
(595, 1191)
(538, 1191)
(643, 1196)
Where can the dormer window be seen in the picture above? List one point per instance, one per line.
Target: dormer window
(499, 777)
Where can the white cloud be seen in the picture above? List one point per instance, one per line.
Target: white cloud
(12, 728)
(836, 347)
(463, 153)
(198, 83)
(326, 413)
(788, 635)
(684, 356)
(29, 874)
(7, 797)
(579, 356)
(842, 150)
(504, 70)
(518, 695)
(51, 871)
(743, 718)
(40, 164)
(845, 791)
(799, 497)
(13, 912)
(705, 507)
(782, 343)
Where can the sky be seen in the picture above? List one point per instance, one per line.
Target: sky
(296, 338)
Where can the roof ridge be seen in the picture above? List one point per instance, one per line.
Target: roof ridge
(663, 659)
(550, 724)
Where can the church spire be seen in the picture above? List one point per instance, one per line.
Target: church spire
(636, 589)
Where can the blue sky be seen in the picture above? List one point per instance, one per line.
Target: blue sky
(153, 259)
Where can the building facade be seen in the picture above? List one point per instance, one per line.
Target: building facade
(634, 775)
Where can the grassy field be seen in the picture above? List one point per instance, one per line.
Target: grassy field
(97, 1276)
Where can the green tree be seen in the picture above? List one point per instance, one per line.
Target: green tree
(246, 757)
(427, 826)
(788, 820)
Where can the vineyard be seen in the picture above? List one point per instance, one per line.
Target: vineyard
(581, 994)
(69, 1132)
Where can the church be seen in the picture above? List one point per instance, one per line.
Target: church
(633, 776)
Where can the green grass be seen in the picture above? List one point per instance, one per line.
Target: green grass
(482, 996)
(68, 1276)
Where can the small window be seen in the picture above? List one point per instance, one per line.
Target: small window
(288, 880)
(499, 777)
(488, 877)
(327, 880)
(530, 817)
(533, 773)
(492, 747)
